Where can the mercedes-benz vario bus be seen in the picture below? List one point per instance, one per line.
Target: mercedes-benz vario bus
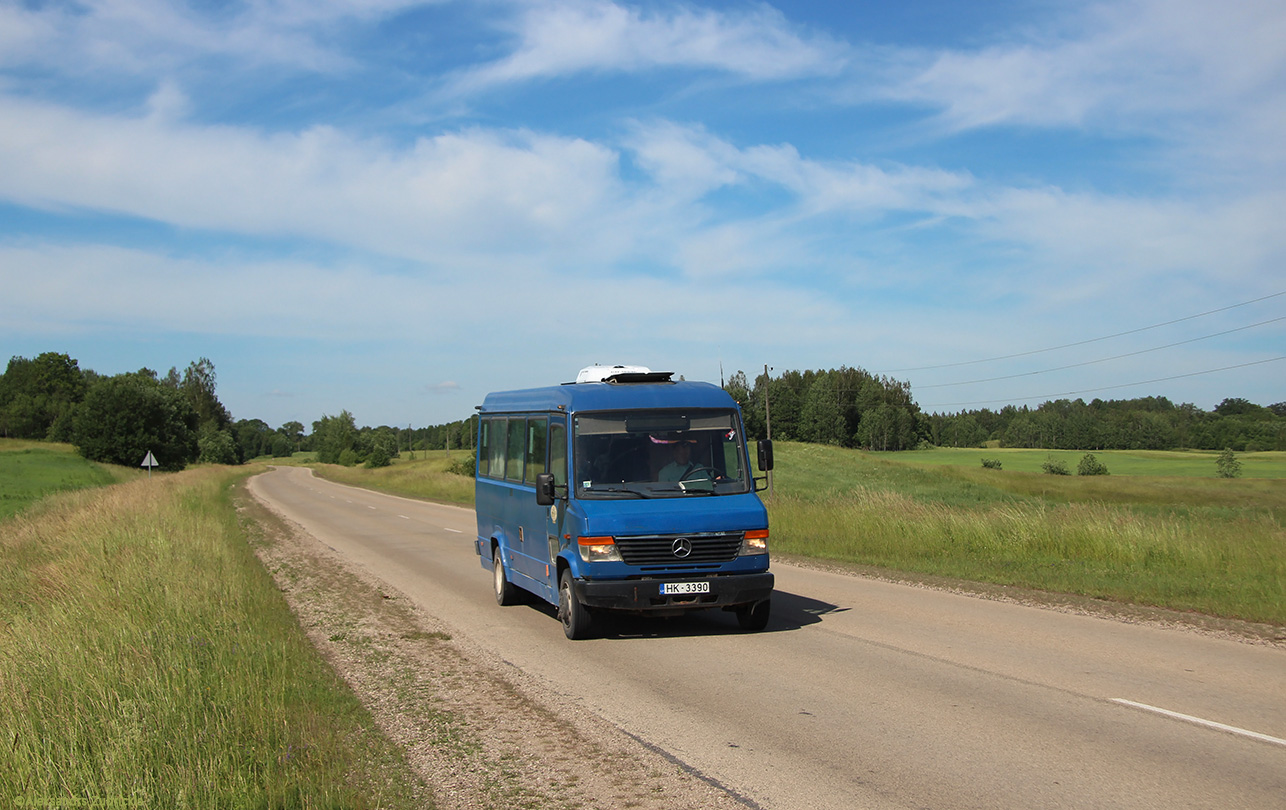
(624, 491)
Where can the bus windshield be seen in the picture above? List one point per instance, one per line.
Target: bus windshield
(659, 454)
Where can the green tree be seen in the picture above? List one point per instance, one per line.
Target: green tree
(35, 394)
(335, 439)
(294, 433)
(216, 446)
(253, 438)
(124, 417)
(820, 419)
(1227, 464)
(198, 386)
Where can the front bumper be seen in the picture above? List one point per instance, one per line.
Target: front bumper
(644, 595)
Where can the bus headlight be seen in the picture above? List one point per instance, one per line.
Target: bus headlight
(598, 549)
(754, 542)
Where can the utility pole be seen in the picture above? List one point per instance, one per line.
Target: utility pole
(767, 421)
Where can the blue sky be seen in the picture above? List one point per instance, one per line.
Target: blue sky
(395, 207)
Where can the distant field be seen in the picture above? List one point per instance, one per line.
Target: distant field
(31, 470)
(1188, 463)
(1212, 545)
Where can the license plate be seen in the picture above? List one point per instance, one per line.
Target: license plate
(683, 588)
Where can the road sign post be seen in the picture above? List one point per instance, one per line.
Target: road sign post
(149, 462)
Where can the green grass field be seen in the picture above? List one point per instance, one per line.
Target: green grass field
(1160, 463)
(1204, 544)
(31, 470)
(147, 659)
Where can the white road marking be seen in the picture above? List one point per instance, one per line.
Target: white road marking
(404, 517)
(453, 531)
(1187, 718)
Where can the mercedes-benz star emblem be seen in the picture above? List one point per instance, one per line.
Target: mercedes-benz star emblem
(682, 547)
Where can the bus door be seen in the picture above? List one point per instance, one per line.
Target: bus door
(556, 515)
(532, 549)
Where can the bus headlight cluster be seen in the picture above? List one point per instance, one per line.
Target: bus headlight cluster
(755, 542)
(598, 549)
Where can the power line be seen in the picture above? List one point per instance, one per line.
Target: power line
(1084, 342)
(1103, 359)
(1105, 387)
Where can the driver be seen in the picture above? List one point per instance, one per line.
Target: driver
(682, 463)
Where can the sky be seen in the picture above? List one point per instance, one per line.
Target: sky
(393, 207)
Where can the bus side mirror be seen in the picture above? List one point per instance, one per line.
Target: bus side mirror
(545, 489)
(765, 455)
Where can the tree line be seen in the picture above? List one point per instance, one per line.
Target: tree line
(178, 418)
(850, 407)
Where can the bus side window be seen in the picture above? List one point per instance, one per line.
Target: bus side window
(535, 449)
(495, 443)
(558, 453)
(484, 447)
(514, 449)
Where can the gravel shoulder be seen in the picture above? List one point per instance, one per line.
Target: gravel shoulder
(475, 730)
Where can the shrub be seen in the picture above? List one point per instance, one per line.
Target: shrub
(378, 458)
(991, 463)
(1091, 466)
(465, 466)
(1227, 464)
(1055, 466)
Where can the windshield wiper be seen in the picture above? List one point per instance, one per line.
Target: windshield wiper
(619, 489)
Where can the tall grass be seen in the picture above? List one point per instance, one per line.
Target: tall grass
(1216, 547)
(147, 660)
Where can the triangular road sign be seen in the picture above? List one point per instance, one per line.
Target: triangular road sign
(149, 462)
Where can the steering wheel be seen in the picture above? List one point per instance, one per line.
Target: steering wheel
(714, 474)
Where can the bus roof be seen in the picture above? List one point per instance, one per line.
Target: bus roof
(608, 396)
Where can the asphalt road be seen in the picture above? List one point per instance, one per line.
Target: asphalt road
(863, 694)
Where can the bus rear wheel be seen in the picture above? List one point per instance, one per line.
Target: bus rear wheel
(577, 620)
(506, 591)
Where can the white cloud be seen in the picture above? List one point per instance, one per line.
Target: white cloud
(445, 194)
(1209, 78)
(151, 37)
(564, 37)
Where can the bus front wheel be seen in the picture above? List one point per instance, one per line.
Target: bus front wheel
(576, 618)
(754, 616)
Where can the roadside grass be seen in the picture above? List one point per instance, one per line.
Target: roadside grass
(30, 470)
(1216, 546)
(148, 660)
(424, 477)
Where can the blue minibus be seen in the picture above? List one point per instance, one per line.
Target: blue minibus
(625, 491)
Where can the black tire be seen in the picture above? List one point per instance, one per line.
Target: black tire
(506, 591)
(754, 617)
(577, 621)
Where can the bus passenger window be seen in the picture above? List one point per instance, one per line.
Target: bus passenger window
(535, 450)
(514, 449)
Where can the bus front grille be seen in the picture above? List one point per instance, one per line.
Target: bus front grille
(680, 549)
